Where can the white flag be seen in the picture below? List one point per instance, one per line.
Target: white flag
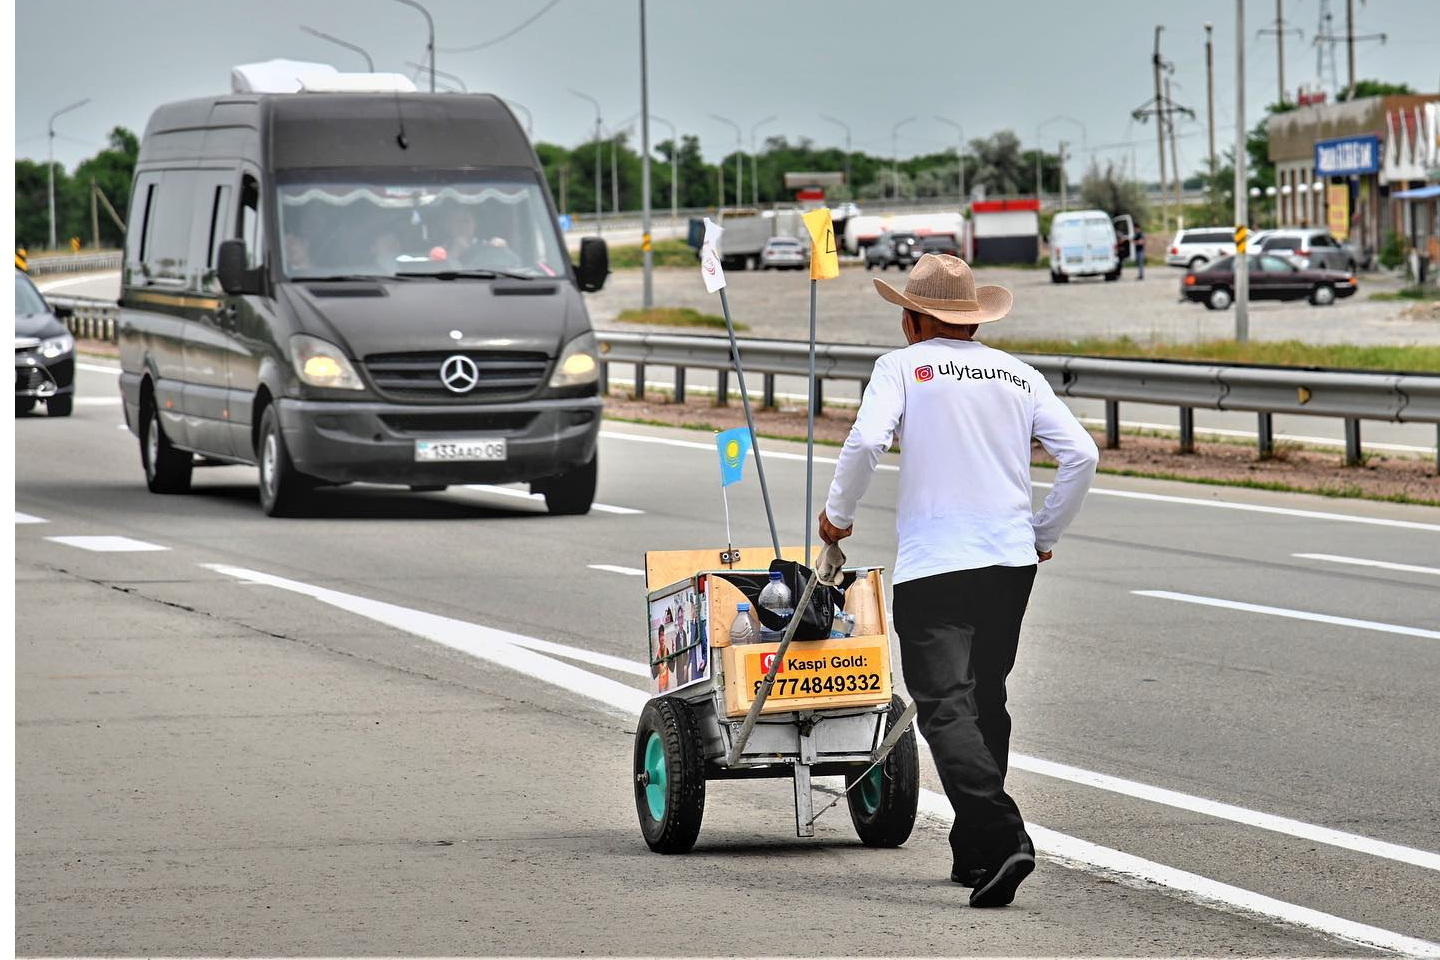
(710, 270)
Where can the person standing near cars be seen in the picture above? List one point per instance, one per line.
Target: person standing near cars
(1139, 244)
(969, 545)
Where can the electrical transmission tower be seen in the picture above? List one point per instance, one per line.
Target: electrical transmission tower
(1163, 109)
(1329, 38)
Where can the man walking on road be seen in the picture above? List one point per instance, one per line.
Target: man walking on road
(969, 545)
(1139, 244)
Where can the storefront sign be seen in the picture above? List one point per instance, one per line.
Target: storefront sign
(1347, 156)
(1337, 203)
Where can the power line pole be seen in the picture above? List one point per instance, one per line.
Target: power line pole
(1279, 29)
(1350, 46)
(754, 159)
(94, 215)
(649, 298)
(1156, 64)
(1241, 261)
(739, 161)
(1062, 175)
(1174, 157)
(1210, 97)
(849, 187)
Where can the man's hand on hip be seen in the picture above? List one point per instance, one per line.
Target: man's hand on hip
(1044, 555)
(831, 533)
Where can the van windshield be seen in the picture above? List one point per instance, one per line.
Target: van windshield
(415, 224)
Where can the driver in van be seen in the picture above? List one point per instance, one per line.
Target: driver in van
(464, 245)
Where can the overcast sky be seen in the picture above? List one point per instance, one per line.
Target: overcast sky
(989, 65)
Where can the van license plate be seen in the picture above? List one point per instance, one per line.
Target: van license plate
(430, 451)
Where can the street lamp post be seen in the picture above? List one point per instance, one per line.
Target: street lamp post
(585, 96)
(739, 158)
(649, 298)
(369, 61)
(50, 166)
(1040, 152)
(849, 187)
(960, 132)
(754, 167)
(453, 78)
(674, 168)
(895, 156)
(429, 47)
(1242, 262)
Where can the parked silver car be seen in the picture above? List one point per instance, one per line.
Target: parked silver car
(1310, 249)
(784, 253)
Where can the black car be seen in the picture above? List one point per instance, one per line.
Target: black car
(1271, 278)
(893, 249)
(940, 243)
(44, 353)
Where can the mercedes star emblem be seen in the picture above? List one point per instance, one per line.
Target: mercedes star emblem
(459, 374)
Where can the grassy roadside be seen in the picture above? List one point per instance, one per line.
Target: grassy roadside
(675, 317)
(663, 253)
(1408, 294)
(1285, 353)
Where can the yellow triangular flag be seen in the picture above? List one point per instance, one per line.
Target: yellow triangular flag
(824, 256)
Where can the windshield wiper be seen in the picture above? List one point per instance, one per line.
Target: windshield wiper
(338, 277)
(476, 274)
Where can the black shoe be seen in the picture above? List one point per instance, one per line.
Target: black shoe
(966, 876)
(997, 886)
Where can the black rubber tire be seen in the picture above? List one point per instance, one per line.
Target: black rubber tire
(428, 487)
(283, 489)
(1112, 277)
(674, 722)
(167, 469)
(60, 406)
(571, 494)
(24, 405)
(889, 825)
(1323, 295)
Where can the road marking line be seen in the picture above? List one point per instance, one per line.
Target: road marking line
(504, 649)
(1360, 562)
(539, 498)
(694, 445)
(486, 643)
(1293, 438)
(1291, 614)
(97, 367)
(108, 544)
(28, 518)
(611, 568)
(47, 285)
(97, 401)
(1259, 508)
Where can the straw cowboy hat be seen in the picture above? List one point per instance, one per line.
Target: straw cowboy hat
(943, 287)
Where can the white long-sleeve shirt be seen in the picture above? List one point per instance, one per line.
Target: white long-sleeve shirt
(968, 413)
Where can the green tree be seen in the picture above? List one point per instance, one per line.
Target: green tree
(1110, 191)
(32, 224)
(113, 171)
(1374, 88)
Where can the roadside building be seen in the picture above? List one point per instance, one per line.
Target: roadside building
(1342, 165)
(1005, 231)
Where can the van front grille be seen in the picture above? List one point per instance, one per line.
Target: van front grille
(506, 423)
(502, 375)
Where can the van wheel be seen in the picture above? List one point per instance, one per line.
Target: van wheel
(167, 470)
(1219, 299)
(24, 405)
(1323, 295)
(282, 487)
(60, 406)
(1113, 275)
(570, 494)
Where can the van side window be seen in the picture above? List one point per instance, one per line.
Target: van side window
(165, 248)
(252, 230)
(143, 207)
(219, 211)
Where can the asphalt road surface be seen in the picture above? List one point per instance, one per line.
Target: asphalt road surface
(404, 725)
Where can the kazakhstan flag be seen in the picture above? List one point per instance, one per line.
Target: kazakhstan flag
(733, 445)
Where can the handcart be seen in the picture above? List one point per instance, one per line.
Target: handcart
(830, 711)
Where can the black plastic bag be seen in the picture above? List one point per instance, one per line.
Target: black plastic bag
(819, 614)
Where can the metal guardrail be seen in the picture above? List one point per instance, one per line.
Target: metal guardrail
(77, 263)
(1348, 395)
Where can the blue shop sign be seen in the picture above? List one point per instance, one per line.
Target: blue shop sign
(1347, 156)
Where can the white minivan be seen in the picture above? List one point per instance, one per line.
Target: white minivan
(1083, 244)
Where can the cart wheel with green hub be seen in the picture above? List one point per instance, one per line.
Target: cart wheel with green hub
(670, 775)
(884, 802)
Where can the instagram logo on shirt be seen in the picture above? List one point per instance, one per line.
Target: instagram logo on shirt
(924, 373)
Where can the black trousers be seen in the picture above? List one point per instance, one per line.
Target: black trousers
(958, 635)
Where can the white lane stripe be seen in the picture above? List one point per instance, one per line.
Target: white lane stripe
(1360, 562)
(28, 518)
(611, 568)
(97, 367)
(108, 544)
(47, 285)
(97, 401)
(1291, 614)
(1226, 811)
(694, 445)
(1250, 434)
(500, 647)
(486, 643)
(1101, 491)
(538, 498)
(1258, 508)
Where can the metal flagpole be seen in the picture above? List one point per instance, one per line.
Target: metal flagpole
(750, 421)
(810, 425)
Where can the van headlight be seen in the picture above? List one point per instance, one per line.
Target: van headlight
(579, 363)
(322, 364)
(53, 347)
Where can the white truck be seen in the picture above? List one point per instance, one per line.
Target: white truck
(1085, 243)
(747, 232)
(862, 231)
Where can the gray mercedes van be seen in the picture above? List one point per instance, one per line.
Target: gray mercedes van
(344, 287)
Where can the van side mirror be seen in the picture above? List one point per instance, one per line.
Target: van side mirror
(62, 311)
(230, 268)
(594, 264)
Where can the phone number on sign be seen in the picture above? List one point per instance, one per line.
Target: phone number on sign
(810, 686)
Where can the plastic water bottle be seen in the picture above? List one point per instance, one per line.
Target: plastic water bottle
(742, 628)
(775, 599)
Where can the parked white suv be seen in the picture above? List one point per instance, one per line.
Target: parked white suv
(1309, 249)
(1196, 247)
